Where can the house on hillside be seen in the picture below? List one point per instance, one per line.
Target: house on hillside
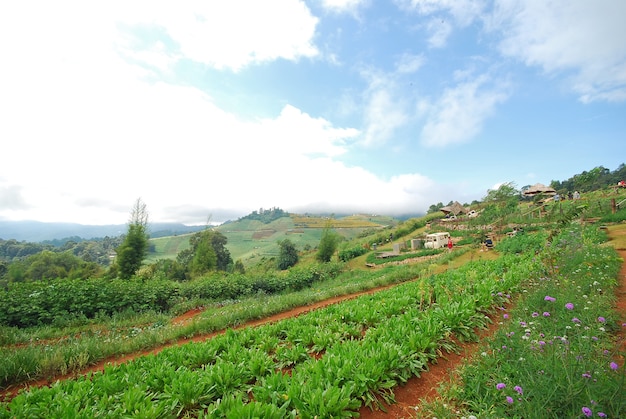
(455, 209)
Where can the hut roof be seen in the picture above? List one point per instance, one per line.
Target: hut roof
(455, 209)
(539, 188)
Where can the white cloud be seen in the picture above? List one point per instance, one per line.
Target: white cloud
(440, 31)
(582, 40)
(458, 115)
(445, 15)
(343, 6)
(409, 63)
(384, 110)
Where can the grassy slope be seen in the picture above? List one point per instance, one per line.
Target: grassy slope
(251, 240)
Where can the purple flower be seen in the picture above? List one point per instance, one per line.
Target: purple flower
(523, 324)
(576, 320)
(518, 389)
(509, 399)
(601, 319)
(569, 306)
(587, 412)
(506, 316)
(613, 366)
(602, 414)
(535, 314)
(500, 386)
(546, 314)
(548, 298)
(586, 375)
(541, 343)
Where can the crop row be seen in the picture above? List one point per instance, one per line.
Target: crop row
(46, 302)
(326, 363)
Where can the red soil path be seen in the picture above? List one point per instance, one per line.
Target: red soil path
(408, 397)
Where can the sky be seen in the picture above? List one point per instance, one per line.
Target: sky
(209, 110)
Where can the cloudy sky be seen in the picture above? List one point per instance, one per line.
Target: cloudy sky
(219, 108)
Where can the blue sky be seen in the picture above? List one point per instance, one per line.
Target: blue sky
(206, 108)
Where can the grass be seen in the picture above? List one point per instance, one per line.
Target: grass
(554, 355)
(93, 343)
(251, 241)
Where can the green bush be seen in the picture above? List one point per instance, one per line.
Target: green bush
(351, 253)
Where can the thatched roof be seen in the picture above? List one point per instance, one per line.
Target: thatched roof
(454, 209)
(539, 188)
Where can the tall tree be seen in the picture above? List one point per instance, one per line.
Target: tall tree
(328, 244)
(134, 248)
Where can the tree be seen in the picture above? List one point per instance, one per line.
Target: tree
(500, 202)
(328, 244)
(288, 256)
(434, 208)
(207, 252)
(134, 248)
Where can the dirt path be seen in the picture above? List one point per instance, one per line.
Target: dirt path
(425, 388)
(179, 321)
(408, 397)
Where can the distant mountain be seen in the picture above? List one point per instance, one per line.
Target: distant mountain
(35, 231)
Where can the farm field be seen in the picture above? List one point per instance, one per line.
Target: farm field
(252, 240)
(368, 346)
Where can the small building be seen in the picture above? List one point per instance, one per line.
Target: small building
(437, 240)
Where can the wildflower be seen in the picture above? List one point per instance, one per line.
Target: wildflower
(506, 316)
(586, 375)
(602, 414)
(518, 389)
(613, 366)
(546, 314)
(509, 399)
(541, 343)
(535, 314)
(523, 324)
(569, 306)
(601, 319)
(587, 412)
(500, 386)
(576, 320)
(548, 298)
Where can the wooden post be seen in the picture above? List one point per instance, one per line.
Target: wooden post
(613, 206)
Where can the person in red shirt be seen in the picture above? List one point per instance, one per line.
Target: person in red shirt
(449, 244)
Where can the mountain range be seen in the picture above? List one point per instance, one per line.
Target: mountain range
(36, 231)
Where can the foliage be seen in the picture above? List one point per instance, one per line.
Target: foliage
(553, 356)
(12, 249)
(617, 217)
(523, 242)
(288, 255)
(30, 304)
(207, 252)
(351, 252)
(266, 216)
(50, 265)
(48, 301)
(597, 178)
(328, 244)
(367, 346)
(131, 253)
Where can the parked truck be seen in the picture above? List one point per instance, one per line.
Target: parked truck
(437, 240)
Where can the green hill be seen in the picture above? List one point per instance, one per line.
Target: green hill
(249, 240)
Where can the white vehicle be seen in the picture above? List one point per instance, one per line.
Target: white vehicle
(437, 240)
(472, 214)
